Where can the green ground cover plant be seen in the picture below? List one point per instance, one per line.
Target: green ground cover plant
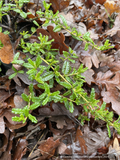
(46, 70)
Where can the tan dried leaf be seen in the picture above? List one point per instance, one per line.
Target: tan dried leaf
(6, 52)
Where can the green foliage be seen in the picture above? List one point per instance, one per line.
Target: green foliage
(1, 45)
(45, 69)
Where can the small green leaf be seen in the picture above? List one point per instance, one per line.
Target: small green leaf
(39, 79)
(12, 75)
(17, 62)
(42, 96)
(17, 111)
(47, 76)
(71, 108)
(28, 65)
(31, 88)
(16, 56)
(47, 88)
(18, 119)
(55, 93)
(66, 104)
(32, 71)
(66, 85)
(51, 82)
(67, 93)
(75, 37)
(31, 62)
(45, 101)
(102, 108)
(66, 67)
(36, 23)
(56, 98)
(38, 61)
(21, 71)
(26, 111)
(25, 97)
(71, 60)
(63, 20)
(16, 10)
(41, 86)
(65, 53)
(86, 46)
(34, 105)
(57, 28)
(32, 118)
(23, 14)
(33, 29)
(109, 132)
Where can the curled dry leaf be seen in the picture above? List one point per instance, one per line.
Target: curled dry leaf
(6, 52)
(48, 147)
(81, 141)
(20, 149)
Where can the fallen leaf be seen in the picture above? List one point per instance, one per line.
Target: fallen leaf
(61, 148)
(4, 141)
(88, 76)
(100, 1)
(2, 125)
(48, 147)
(94, 140)
(60, 120)
(112, 96)
(81, 141)
(6, 52)
(108, 79)
(112, 6)
(116, 27)
(4, 95)
(59, 4)
(19, 102)
(88, 58)
(114, 151)
(20, 149)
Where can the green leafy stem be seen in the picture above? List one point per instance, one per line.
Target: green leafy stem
(70, 78)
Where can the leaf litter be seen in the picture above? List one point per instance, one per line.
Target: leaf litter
(58, 133)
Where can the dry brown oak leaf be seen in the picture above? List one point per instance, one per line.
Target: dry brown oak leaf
(6, 52)
(59, 5)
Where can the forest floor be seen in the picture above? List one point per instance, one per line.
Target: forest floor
(59, 133)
